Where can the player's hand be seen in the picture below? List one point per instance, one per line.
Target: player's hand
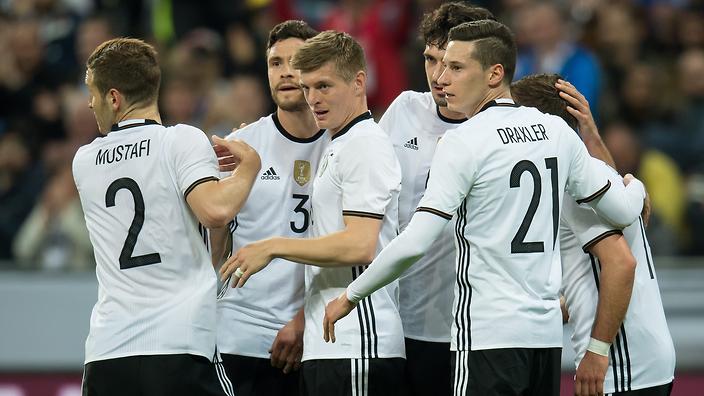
(248, 260)
(589, 379)
(563, 308)
(232, 153)
(645, 213)
(578, 107)
(287, 349)
(334, 311)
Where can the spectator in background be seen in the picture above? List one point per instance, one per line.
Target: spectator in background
(21, 181)
(551, 49)
(54, 236)
(91, 32)
(382, 28)
(662, 179)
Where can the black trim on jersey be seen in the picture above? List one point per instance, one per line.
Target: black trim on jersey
(462, 319)
(628, 356)
(436, 212)
(587, 246)
(359, 213)
(118, 127)
(494, 103)
(364, 116)
(446, 119)
(369, 342)
(197, 182)
(597, 194)
(645, 247)
(289, 136)
(594, 270)
(620, 348)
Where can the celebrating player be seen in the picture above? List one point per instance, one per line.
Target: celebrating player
(144, 188)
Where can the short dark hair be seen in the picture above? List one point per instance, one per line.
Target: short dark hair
(129, 66)
(290, 29)
(495, 44)
(331, 46)
(436, 24)
(539, 91)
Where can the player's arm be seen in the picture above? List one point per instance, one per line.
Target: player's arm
(218, 243)
(615, 284)
(579, 108)
(216, 202)
(451, 175)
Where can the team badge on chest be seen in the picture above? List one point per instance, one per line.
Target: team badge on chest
(301, 172)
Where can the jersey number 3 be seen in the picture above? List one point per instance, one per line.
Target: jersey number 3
(126, 259)
(518, 244)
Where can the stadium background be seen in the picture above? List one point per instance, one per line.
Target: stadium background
(640, 62)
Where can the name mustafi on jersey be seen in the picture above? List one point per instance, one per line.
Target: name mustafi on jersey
(122, 152)
(522, 134)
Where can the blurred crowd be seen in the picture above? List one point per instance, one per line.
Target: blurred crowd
(639, 62)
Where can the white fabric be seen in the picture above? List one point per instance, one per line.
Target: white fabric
(506, 298)
(166, 307)
(414, 127)
(642, 355)
(278, 205)
(358, 175)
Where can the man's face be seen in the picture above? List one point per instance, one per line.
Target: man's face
(433, 69)
(330, 97)
(101, 109)
(464, 81)
(283, 80)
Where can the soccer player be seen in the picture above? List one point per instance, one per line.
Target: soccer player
(415, 121)
(144, 189)
(621, 349)
(355, 212)
(260, 326)
(502, 173)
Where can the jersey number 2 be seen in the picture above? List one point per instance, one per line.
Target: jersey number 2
(126, 258)
(518, 244)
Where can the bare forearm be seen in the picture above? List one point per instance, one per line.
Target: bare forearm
(615, 286)
(339, 249)
(596, 147)
(218, 244)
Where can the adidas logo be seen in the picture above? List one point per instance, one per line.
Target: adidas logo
(412, 144)
(270, 174)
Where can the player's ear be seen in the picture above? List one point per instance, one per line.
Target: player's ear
(114, 99)
(360, 83)
(495, 74)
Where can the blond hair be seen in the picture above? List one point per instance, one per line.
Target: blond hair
(331, 46)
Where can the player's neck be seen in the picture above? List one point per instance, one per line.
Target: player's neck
(300, 124)
(493, 94)
(359, 109)
(453, 115)
(150, 112)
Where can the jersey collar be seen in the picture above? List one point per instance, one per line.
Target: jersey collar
(501, 102)
(289, 136)
(132, 123)
(448, 120)
(364, 116)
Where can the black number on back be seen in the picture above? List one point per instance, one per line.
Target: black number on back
(518, 244)
(300, 209)
(126, 258)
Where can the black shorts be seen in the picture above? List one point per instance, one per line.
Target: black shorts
(507, 372)
(661, 390)
(154, 375)
(427, 368)
(352, 377)
(252, 376)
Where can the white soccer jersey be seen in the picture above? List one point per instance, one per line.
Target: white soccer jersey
(414, 124)
(504, 172)
(278, 205)
(642, 354)
(358, 175)
(157, 287)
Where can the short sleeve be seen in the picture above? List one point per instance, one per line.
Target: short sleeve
(452, 174)
(584, 181)
(389, 119)
(370, 177)
(192, 157)
(586, 225)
